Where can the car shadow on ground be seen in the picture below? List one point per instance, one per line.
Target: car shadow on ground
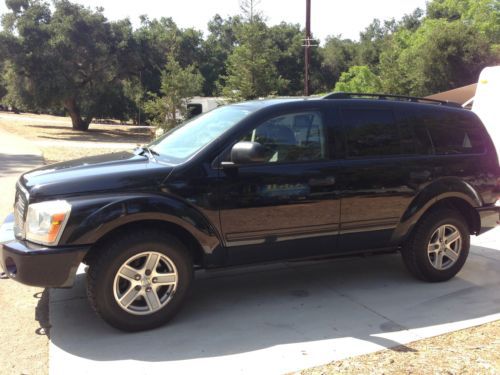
(42, 313)
(371, 299)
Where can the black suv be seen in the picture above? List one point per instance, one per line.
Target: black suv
(255, 182)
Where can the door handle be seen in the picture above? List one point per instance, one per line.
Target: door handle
(326, 181)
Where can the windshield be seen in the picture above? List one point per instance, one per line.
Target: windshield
(185, 140)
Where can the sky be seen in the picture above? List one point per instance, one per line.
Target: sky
(328, 17)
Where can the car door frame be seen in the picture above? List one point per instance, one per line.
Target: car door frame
(373, 234)
(286, 243)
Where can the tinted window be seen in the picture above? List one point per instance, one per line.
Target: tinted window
(409, 145)
(423, 142)
(292, 137)
(454, 134)
(371, 132)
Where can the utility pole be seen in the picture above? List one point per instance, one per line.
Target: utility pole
(307, 49)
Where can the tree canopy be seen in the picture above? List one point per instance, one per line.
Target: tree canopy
(71, 57)
(68, 58)
(178, 85)
(359, 79)
(251, 66)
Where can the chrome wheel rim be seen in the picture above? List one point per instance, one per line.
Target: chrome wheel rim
(444, 247)
(145, 283)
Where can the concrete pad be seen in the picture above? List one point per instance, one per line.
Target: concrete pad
(280, 318)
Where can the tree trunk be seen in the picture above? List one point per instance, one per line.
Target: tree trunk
(76, 117)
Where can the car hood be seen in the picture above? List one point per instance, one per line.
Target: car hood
(123, 171)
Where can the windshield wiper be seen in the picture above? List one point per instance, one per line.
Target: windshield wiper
(150, 151)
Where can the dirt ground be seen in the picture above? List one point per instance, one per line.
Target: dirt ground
(25, 329)
(24, 322)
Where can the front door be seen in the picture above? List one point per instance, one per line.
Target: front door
(286, 207)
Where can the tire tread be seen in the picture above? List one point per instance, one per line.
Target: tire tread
(414, 244)
(107, 251)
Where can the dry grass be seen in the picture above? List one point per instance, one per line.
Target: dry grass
(471, 351)
(53, 128)
(58, 142)
(57, 154)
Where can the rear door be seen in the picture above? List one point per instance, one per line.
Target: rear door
(376, 176)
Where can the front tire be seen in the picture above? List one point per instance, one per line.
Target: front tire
(140, 280)
(438, 247)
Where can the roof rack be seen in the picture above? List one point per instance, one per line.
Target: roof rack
(414, 99)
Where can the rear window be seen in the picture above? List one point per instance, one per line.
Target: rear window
(453, 134)
(371, 132)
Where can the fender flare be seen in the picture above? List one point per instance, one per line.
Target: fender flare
(436, 191)
(94, 217)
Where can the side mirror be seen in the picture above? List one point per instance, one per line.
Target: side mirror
(246, 153)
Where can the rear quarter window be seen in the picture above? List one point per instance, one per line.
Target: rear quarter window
(452, 133)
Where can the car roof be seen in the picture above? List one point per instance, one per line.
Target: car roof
(261, 102)
(356, 99)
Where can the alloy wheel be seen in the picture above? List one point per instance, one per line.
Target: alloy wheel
(145, 283)
(444, 247)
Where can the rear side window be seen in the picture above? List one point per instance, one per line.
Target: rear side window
(454, 134)
(371, 132)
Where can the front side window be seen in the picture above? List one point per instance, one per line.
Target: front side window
(371, 132)
(292, 137)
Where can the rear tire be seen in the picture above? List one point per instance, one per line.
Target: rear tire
(139, 280)
(438, 247)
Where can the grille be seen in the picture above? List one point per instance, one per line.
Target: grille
(20, 205)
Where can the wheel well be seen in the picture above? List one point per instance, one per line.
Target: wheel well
(466, 210)
(182, 234)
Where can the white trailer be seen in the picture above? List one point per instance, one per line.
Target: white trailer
(486, 102)
(201, 104)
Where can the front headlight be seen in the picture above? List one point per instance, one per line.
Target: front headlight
(45, 221)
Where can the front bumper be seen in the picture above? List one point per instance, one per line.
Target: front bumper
(489, 216)
(38, 265)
